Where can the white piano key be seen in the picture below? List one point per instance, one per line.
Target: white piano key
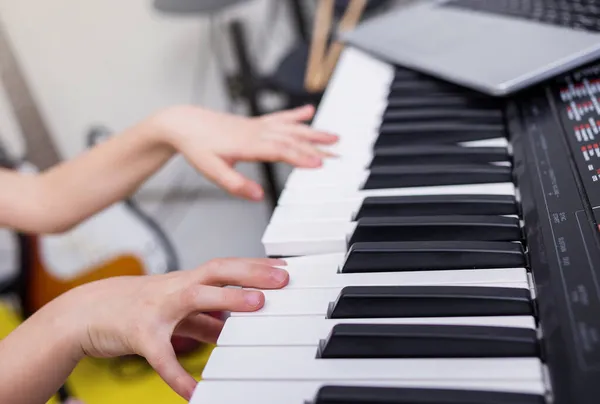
(315, 301)
(300, 363)
(353, 178)
(361, 159)
(495, 142)
(301, 392)
(318, 211)
(292, 196)
(317, 261)
(309, 330)
(340, 97)
(307, 278)
(300, 238)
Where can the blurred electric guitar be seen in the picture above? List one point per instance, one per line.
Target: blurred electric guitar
(120, 240)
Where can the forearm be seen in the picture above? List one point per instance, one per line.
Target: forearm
(66, 194)
(37, 358)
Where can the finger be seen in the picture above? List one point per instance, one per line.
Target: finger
(201, 327)
(303, 113)
(280, 149)
(310, 134)
(202, 299)
(268, 261)
(162, 358)
(262, 261)
(302, 146)
(240, 273)
(222, 174)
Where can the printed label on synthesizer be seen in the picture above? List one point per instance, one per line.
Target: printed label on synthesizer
(576, 97)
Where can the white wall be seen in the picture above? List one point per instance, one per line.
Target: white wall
(114, 62)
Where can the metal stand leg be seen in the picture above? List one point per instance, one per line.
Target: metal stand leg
(299, 19)
(63, 394)
(247, 82)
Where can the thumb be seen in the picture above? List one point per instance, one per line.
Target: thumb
(222, 174)
(163, 360)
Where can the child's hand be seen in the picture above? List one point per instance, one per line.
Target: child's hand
(138, 315)
(214, 142)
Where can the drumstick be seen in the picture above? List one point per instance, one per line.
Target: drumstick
(321, 66)
(322, 25)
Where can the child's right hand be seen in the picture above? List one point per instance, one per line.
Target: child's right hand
(139, 315)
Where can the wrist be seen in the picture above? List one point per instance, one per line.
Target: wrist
(67, 331)
(156, 131)
(164, 124)
(169, 124)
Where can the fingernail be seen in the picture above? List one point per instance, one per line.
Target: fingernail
(253, 298)
(316, 161)
(279, 261)
(256, 194)
(279, 275)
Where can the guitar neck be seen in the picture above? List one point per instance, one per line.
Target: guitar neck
(40, 149)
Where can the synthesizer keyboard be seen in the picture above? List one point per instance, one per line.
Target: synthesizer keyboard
(448, 255)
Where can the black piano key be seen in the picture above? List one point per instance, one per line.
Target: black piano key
(407, 74)
(427, 341)
(333, 394)
(487, 116)
(424, 228)
(430, 301)
(438, 154)
(432, 255)
(433, 175)
(407, 88)
(415, 205)
(396, 134)
(440, 101)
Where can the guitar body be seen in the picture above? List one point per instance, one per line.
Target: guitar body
(45, 287)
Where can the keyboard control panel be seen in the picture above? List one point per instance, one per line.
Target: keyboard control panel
(556, 134)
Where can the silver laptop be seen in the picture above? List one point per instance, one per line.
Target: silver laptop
(475, 43)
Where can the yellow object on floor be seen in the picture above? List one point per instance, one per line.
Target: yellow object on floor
(101, 382)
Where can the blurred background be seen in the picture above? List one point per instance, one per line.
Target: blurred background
(112, 63)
